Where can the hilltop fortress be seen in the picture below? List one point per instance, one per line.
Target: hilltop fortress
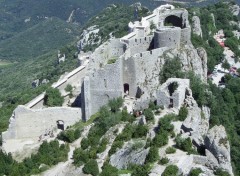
(131, 65)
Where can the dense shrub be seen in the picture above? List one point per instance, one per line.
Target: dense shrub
(165, 123)
(220, 172)
(102, 146)
(69, 135)
(116, 145)
(195, 172)
(84, 143)
(148, 114)
(91, 167)
(163, 161)
(80, 156)
(170, 170)
(170, 150)
(160, 139)
(184, 144)
(153, 155)
(53, 97)
(140, 131)
(107, 170)
(183, 112)
(115, 104)
(138, 170)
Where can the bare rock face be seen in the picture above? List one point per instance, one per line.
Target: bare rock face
(217, 144)
(197, 121)
(196, 26)
(192, 60)
(129, 155)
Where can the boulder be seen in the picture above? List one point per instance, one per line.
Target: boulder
(35, 83)
(217, 143)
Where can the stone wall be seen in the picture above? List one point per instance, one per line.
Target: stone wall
(176, 98)
(28, 123)
(100, 86)
(167, 37)
(137, 45)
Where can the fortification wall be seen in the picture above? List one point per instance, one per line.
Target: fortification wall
(138, 45)
(167, 37)
(129, 75)
(30, 124)
(109, 50)
(103, 84)
(186, 36)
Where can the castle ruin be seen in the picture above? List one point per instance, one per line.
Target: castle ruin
(138, 58)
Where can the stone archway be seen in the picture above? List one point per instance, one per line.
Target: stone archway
(175, 21)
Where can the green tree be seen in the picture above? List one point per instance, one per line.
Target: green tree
(53, 97)
(91, 167)
(170, 170)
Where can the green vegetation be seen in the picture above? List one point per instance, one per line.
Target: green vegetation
(69, 135)
(115, 104)
(91, 167)
(171, 69)
(170, 170)
(107, 170)
(53, 97)
(148, 114)
(48, 154)
(170, 150)
(183, 112)
(153, 155)
(111, 61)
(195, 172)
(220, 172)
(185, 145)
(163, 161)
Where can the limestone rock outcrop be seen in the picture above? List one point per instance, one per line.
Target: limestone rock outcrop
(235, 9)
(192, 60)
(196, 26)
(128, 155)
(197, 121)
(217, 144)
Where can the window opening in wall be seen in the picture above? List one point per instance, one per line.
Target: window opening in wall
(105, 83)
(126, 88)
(60, 124)
(172, 87)
(135, 40)
(171, 103)
(139, 92)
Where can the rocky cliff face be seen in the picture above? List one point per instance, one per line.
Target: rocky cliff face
(192, 60)
(196, 26)
(218, 148)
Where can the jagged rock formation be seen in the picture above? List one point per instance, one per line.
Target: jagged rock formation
(128, 155)
(235, 9)
(196, 26)
(197, 121)
(218, 148)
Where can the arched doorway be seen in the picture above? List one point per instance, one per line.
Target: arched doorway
(173, 20)
(126, 88)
